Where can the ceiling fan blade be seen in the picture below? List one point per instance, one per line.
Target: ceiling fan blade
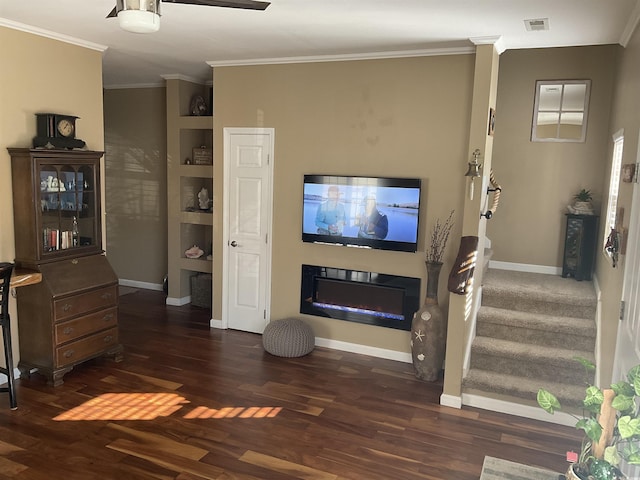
(245, 4)
(113, 13)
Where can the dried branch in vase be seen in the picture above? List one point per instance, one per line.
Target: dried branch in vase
(439, 236)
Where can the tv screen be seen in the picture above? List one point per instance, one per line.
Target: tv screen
(361, 211)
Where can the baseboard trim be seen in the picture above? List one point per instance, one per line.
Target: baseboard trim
(364, 350)
(501, 406)
(525, 267)
(216, 324)
(451, 401)
(347, 347)
(178, 302)
(137, 284)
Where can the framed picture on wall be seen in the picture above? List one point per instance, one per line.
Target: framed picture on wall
(492, 121)
(628, 172)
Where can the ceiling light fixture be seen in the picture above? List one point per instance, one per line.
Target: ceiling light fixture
(139, 16)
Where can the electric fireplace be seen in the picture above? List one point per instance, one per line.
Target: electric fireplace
(365, 297)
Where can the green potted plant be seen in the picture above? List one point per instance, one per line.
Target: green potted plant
(582, 202)
(611, 425)
(583, 195)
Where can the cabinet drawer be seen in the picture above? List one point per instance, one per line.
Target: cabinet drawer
(94, 322)
(80, 350)
(84, 302)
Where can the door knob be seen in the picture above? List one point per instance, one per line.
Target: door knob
(234, 243)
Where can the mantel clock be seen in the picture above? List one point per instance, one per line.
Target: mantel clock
(55, 130)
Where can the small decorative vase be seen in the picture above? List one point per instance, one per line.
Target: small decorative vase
(428, 330)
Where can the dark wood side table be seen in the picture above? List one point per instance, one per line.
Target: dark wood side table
(580, 243)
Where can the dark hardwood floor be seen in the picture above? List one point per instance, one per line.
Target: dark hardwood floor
(189, 402)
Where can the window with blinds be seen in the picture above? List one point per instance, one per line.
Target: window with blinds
(614, 183)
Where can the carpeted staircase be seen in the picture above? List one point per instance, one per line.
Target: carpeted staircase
(529, 329)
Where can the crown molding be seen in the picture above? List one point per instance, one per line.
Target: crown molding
(52, 35)
(124, 86)
(495, 40)
(631, 25)
(344, 58)
(186, 78)
(160, 83)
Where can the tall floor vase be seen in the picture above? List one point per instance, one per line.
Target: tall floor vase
(429, 330)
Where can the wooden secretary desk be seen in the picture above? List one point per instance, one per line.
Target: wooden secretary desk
(72, 315)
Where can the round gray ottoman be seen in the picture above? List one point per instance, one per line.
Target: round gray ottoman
(289, 337)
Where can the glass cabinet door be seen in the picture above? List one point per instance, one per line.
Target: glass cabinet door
(67, 207)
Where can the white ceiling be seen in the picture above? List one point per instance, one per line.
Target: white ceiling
(306, 30)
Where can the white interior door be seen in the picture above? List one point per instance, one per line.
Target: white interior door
(628, 342)
(248, 165)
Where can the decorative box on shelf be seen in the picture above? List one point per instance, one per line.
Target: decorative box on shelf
(203, 156)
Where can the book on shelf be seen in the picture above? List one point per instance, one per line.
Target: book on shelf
(54, 239)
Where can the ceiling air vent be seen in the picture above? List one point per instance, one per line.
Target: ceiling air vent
(536, 24)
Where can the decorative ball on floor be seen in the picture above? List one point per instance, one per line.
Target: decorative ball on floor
(289, 337)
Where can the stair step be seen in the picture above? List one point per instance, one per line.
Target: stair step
(539, 293)
(536, 329)
(529, 361)
(569, 396)
(529, 330)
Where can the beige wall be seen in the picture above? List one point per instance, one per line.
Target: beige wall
(42, 75)
(624, 115)
(401, 117)
(540, 178)
(136, 183)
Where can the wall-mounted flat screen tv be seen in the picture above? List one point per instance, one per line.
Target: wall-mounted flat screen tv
(364, 212)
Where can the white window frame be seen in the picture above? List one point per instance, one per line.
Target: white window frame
(560, 111)
(614, 184)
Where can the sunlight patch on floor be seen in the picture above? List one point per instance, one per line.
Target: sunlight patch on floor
(234, 412)
(149, 406)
